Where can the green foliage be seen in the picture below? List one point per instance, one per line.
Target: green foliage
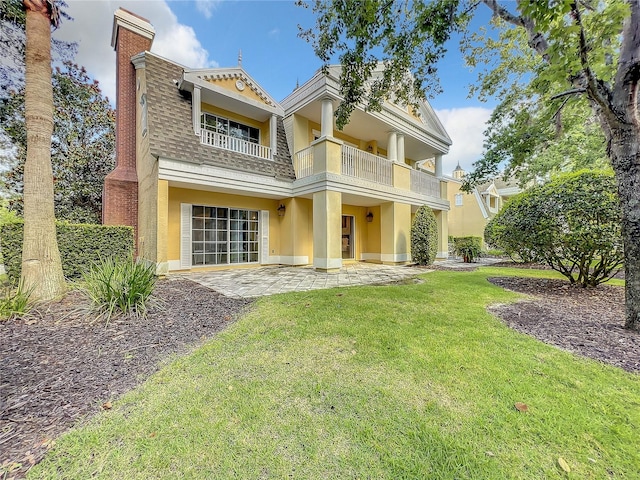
(408, 36)
(571, 224)
(80, 246)
(82, 146)
(424, 236)
(14, 302)
(469, 248)
(533, 132)
(120, 285)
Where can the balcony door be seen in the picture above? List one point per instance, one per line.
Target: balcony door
(348, 236)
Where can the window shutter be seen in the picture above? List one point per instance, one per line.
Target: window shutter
(264, 236)
(185, 235)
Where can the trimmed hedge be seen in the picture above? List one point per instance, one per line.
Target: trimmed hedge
(81, 245)
(424, 236)
(468, 248)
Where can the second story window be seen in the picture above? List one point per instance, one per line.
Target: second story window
(458, 199)
(224, 126)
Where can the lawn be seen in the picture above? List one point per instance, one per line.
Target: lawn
(405, 381)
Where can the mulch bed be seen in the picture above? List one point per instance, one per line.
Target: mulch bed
(584, 321)
(58, 365)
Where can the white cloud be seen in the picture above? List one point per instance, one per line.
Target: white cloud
(206, 7)
(274, 32)
(465, 126)
(92, 25)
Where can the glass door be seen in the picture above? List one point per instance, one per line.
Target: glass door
(348, 231)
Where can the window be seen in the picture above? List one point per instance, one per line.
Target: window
(458, 199)
(221, 236)
(217, 124)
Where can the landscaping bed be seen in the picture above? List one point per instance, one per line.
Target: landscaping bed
(584, 321)
(59, 365)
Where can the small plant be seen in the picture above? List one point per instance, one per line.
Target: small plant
(14, 303)
(117, 286)
(469, 248)
(424, 236)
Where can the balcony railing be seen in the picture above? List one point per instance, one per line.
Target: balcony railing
(214, 139)
(304, 163)
(425, 184)
(361, 164)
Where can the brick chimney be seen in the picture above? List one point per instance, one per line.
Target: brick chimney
(131, 35)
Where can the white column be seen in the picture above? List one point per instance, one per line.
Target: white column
(401, 158)
(273, 135)
(195, 109)
(392, 147)
(438, 166)
(326, 125)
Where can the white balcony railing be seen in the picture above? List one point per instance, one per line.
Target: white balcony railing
(361, 164)
(304, 163)
(214, 139)
(425, 184)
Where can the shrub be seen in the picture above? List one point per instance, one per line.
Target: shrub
(15, 302)
(571, 224)
(115, 285)
(468, 248)
(80, 246)
(424, 236)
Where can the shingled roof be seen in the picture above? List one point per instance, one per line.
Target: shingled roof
(171, 131)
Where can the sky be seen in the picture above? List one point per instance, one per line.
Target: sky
(210, 33)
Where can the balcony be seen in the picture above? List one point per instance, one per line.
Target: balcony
(425, 184)
(364, 165)
(219, 140)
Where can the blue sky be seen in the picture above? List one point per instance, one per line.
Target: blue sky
(206, 33)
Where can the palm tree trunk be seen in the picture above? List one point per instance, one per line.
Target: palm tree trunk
(41, 263)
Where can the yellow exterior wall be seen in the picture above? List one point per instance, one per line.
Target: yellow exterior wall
(199, 197)
(263, 126)
(296, 229)
(373, 232)
(395, 234)
(327, 228)
(465, 220)
(230, 84)
(300, 133)
(147, 171)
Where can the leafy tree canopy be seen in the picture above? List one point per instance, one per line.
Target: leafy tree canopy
(82, 146)
(12, 43)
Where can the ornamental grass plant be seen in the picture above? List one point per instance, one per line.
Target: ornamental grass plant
(118, 286)
(14, 302)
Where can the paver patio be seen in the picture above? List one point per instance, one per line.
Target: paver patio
(256, 282)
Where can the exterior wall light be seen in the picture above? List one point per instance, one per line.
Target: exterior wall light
(281, 210)
(370, 217)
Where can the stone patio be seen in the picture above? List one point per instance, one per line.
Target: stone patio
(256, 282)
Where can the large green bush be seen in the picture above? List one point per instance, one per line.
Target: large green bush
(424, 236)
(80, 246)
(571, 224)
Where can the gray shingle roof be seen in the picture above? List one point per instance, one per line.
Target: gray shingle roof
(171, 131)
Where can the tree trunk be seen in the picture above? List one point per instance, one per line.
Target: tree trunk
(41, 263)
(625, 156)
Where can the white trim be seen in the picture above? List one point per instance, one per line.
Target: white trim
(185, 236)
(483, 210)
(293, 260)
(442, 255)
(174, 265)
(196, 110)
(140, 26)
(327, 263)
(370, 256)
(395, 257)
(162, 268)
(263, 232)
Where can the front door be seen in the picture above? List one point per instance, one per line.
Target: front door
(348, 231)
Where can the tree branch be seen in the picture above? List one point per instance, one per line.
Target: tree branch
(568, 92)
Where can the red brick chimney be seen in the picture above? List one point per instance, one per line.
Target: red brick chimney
(131, 35)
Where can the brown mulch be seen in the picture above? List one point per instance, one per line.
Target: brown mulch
(584, 321)
(58, 365)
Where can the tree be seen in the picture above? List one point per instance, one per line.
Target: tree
(571, 224)
(589, 48)
(82, 150)
(424, 236)
(531, 134)
(41, 263)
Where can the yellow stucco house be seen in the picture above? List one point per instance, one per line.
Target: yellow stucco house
(213, 172)
(470, 212)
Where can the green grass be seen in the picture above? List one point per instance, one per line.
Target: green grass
(410, 381)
